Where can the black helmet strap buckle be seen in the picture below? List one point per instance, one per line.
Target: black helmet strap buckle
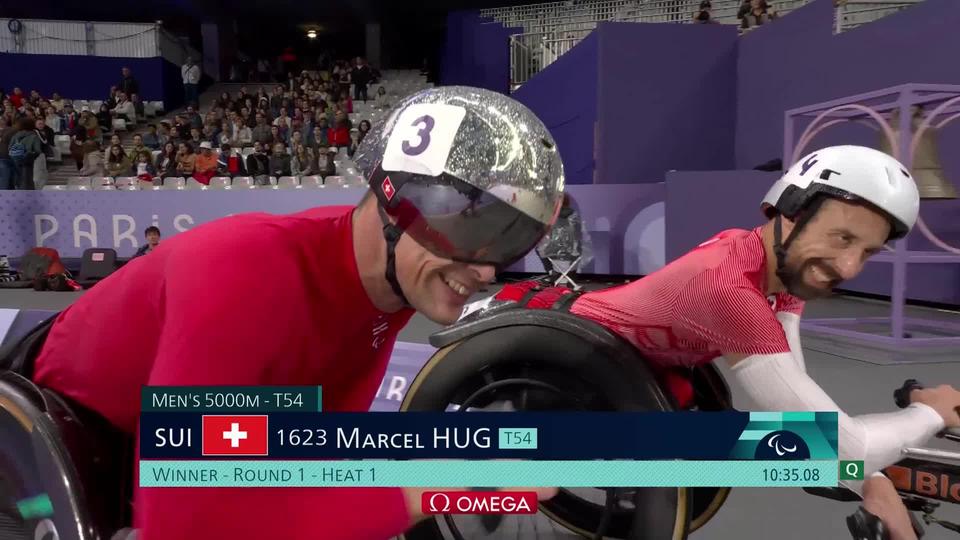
(392, 234)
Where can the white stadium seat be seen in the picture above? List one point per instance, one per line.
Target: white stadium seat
(78, 183)
(311, 182)
(174, 183)
(193, 184)
(220, 182)
(288, 182)
(243, 182)
(103, 183)
(127, 183)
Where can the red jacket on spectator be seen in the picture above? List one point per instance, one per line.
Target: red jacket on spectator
(338, 136)
(17, 100)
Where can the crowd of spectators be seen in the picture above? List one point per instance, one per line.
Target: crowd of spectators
(291, 129)
(29, 123)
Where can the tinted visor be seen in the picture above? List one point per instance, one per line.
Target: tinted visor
(457, 221)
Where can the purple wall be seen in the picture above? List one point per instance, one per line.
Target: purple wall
(83, 77)
(662, 106)
(702, 203)
(476, 52)
(564, 96)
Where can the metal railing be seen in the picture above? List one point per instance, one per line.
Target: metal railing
(86, 38)
(552, 29)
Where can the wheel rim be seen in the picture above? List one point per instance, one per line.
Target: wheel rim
(493, 386)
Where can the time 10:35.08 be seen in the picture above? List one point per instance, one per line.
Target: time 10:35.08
(791, 474)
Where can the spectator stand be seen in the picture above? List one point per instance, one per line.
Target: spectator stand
(398, 84)
(551, 29)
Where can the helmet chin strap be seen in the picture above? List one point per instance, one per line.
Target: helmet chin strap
(781, 246)
(392, 234)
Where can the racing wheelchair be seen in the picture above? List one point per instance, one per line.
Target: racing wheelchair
(502, 356)
(64, 471)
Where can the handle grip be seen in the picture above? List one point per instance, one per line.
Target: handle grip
(901, 396)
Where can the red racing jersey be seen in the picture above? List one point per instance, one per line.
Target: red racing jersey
(253, 299)
(708, 302)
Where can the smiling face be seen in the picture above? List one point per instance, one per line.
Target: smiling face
(832, 247)
(437, 287)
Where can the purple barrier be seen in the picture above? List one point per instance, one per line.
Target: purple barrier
(625, 220)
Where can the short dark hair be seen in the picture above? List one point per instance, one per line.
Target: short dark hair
(151, 229)
(154, 126)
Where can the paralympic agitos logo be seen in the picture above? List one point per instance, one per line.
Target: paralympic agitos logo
(781, 445)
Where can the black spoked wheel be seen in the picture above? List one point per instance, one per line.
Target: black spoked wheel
(544, 369)
(33, 477)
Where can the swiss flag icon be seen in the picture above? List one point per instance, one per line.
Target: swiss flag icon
(236, 435)
(387, 188)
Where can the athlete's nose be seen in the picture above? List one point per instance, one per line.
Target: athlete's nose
(484, 272)
(849, 264)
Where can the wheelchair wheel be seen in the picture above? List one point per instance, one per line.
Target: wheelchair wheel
(33, 467)
(534, 368)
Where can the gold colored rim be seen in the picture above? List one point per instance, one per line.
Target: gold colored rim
(424, 371)
(718, 499)
(12, 408)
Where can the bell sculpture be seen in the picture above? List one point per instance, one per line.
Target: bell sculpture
(927, 169)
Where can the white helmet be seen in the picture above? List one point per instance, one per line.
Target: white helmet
(853, 173)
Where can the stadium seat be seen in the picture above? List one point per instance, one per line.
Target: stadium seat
(311, 182)
(192, 184)
(149, 109)
(174, 183)
(335, 181)
(119, 124)
(348, 168)
(220, 182)
(243, 182)
(354, 180)
(247, 151)
(62, 142)
(78, 183)
(158, 105)
(154, 154)
(104, 183)
(95, 105)
(127, 183)
(288, 182)
(54, 187)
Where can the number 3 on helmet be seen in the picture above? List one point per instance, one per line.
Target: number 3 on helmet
(855, 173)
(472, 175)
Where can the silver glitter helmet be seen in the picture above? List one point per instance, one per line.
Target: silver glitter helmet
(472, 175)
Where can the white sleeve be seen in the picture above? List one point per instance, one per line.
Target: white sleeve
(775, 383)
(791, 328)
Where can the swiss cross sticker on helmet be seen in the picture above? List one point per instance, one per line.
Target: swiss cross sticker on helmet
(422, 138)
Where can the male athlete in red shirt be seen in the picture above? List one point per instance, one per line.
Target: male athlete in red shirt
(740, 295)
(339, 285)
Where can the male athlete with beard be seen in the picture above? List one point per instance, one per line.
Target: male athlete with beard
(740, 295)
